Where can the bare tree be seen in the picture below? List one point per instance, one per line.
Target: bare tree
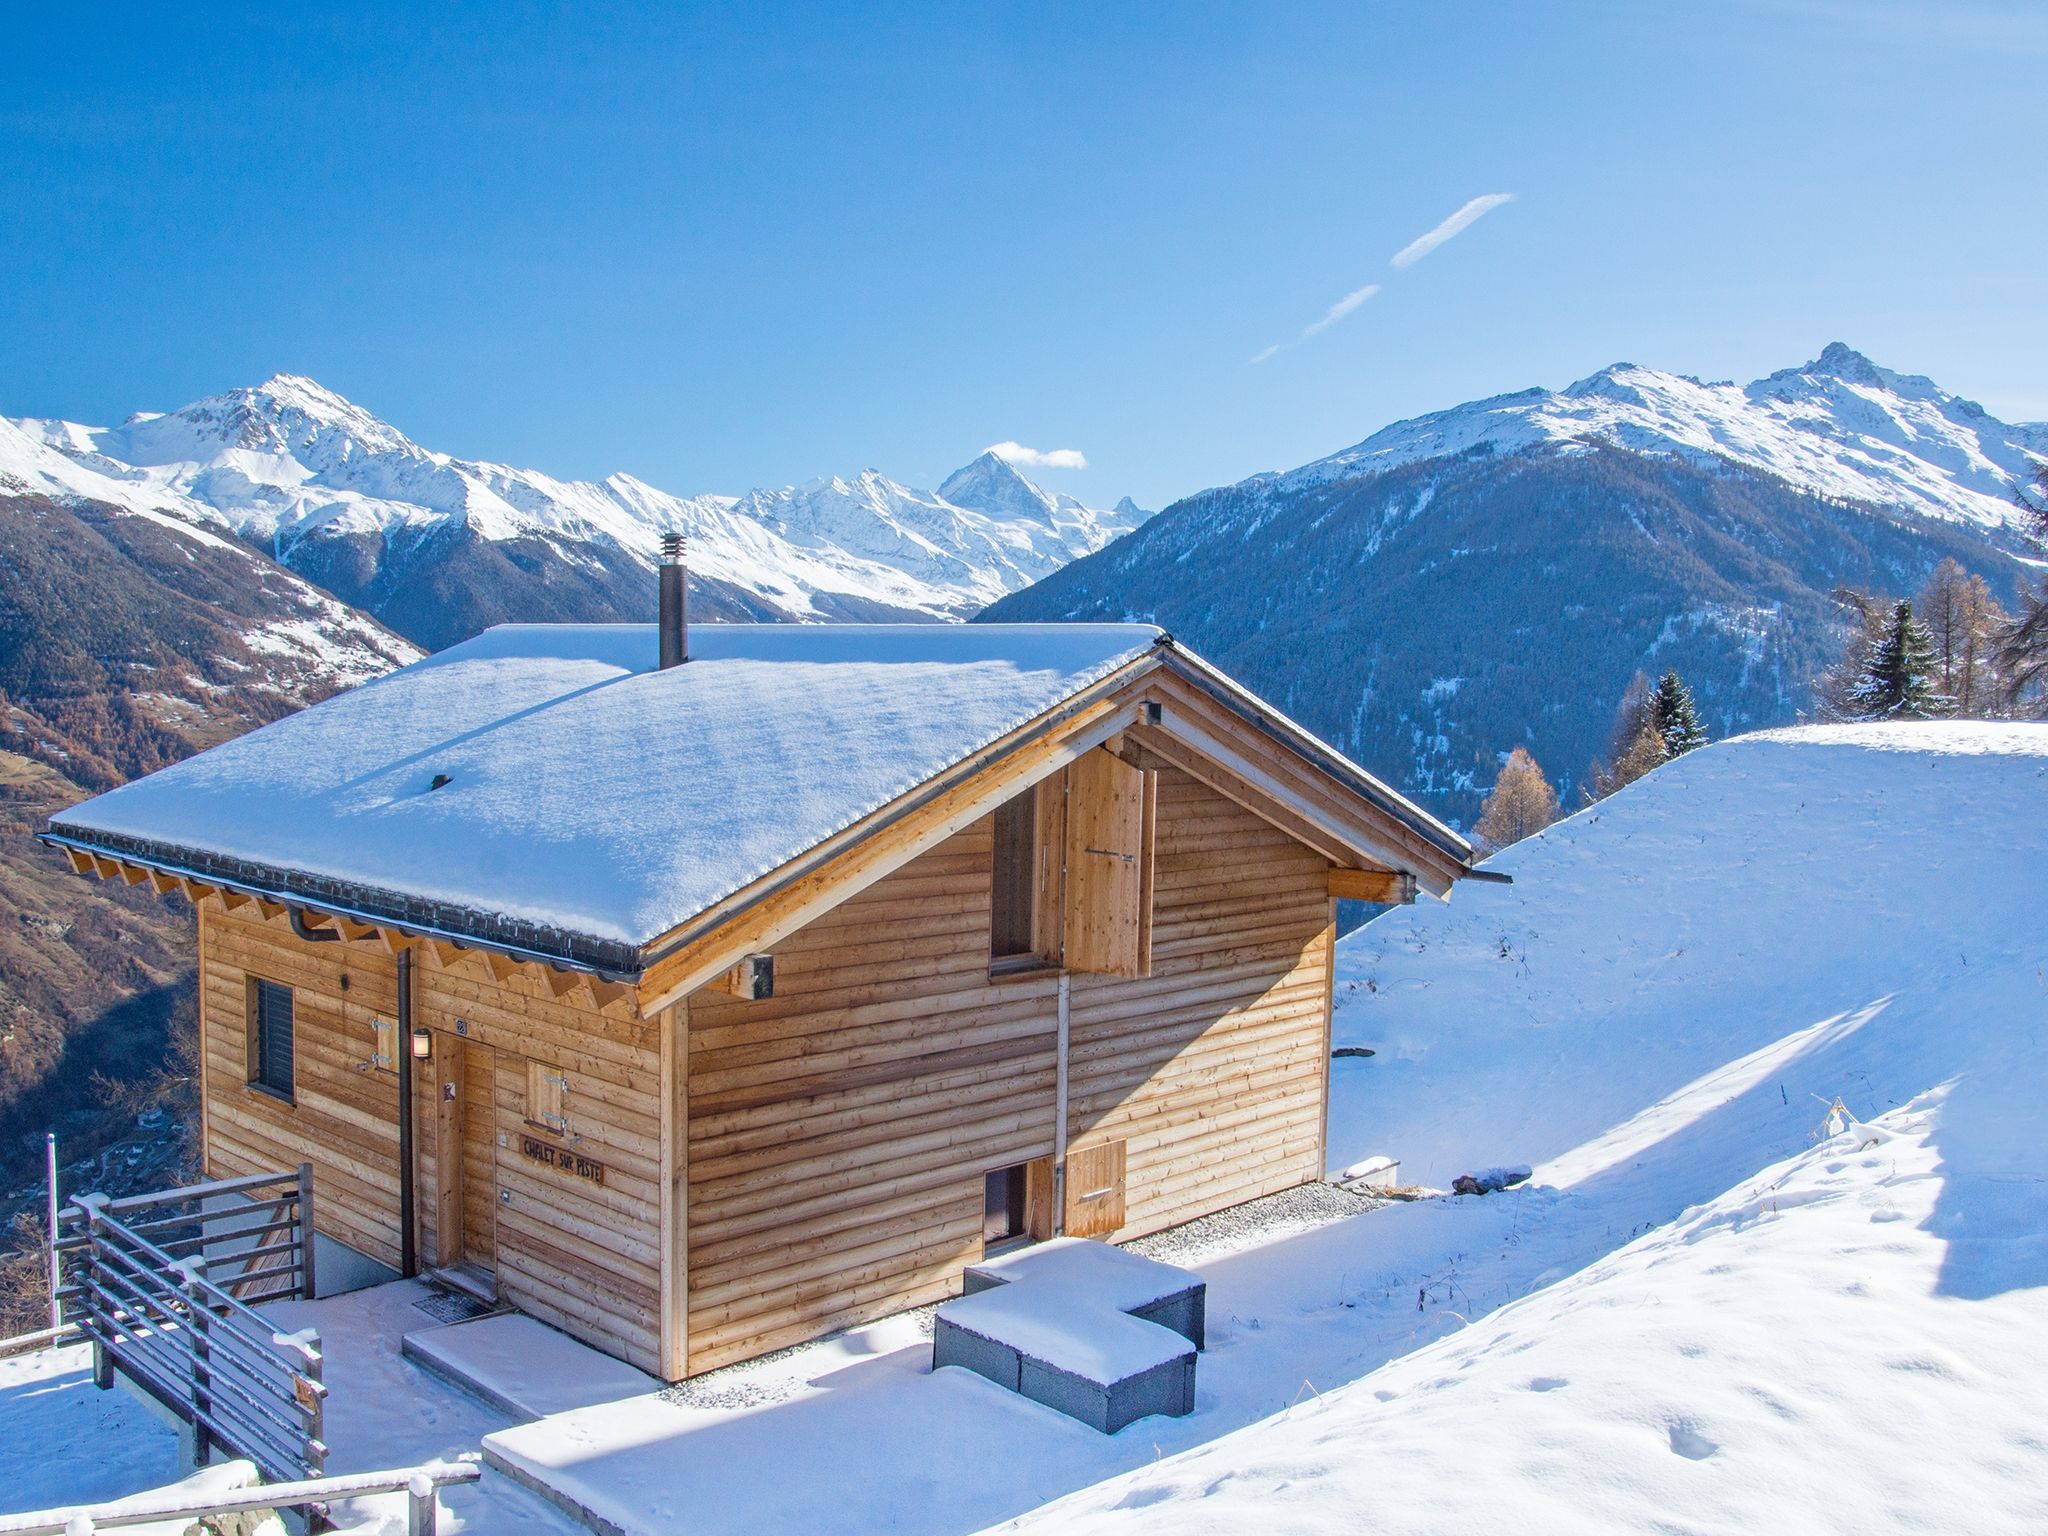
(1964, 621)
(1522, 804)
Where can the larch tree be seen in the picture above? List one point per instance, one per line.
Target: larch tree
(1964, 621)
(1522, 804)
(1900, 676)
(1633, 745)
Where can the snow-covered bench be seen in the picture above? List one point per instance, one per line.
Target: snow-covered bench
(1102, 1335)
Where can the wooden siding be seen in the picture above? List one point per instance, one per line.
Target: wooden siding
(839, 1132)
(583, 1256)
(344, 1114)
(1211, 1070)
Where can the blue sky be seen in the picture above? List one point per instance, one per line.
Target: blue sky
(727, 247)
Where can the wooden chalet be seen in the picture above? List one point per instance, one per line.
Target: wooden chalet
(705, 1007)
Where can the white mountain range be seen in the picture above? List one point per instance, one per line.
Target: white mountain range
(1839, 426)
(334, 492)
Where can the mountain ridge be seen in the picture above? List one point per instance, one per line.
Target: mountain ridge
(439, 546)
(1491, 575)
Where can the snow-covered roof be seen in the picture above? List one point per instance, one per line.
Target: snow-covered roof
(589, 794)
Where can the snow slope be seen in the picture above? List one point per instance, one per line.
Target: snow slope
(1746, 1323)
(1839, 426)
(292, 465)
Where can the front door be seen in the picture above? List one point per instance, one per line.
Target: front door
(479, 1100)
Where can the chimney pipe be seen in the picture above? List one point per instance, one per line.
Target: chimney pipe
(675, 604)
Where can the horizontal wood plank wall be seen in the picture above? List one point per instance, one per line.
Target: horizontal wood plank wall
(839, 1131)
(580, 1255)
(344, 1120)
(1210, 1070)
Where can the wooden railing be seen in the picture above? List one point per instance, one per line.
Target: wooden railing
(165, 1286)
(419, 1484)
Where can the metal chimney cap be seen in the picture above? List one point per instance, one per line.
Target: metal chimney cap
(671, 549)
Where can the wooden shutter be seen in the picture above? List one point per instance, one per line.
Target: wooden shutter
(270, 1035)
(1095, 1190)
(547, 1098)
(1109, 866)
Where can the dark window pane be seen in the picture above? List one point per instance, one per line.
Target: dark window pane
(274, 1037)
(1002, 1205)
(1010, 898)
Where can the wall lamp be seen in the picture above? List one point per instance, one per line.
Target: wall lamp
(422, 1044)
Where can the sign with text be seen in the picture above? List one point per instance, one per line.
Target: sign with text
(570, 1165)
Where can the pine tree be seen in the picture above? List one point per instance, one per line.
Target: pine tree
(1522, 804)
(1899, 674)
(1672, 713)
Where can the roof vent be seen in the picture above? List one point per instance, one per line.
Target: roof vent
(438, 780)
(675, 604)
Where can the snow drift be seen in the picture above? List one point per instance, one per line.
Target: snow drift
(1735, 1320)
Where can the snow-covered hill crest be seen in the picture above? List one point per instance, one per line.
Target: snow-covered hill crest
(1723, 1303)
(1839, 426)
(411, 534)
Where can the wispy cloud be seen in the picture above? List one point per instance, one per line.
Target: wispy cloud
(1451, 228)
(1477, 209)
(1340, 309)
(1039, 458)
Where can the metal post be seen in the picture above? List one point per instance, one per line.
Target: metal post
(306, 1287)
(199, 1319)
(408, 1258)
(102, 1361)
(56, 1267)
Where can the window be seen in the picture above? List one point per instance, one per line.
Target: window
(547, 1098)
(1012, 939)
(270, 1037)
(1004, 1206)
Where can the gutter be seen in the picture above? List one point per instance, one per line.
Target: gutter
(605, 959)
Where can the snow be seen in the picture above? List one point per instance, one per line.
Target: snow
(1107, 1275)
(65, 1442)
(1720, 1315)
(1068, 1328)
(512, 1361)
(590, 792)
(289, 460)
(1838, 426)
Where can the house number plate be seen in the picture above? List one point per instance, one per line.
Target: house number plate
(570, 1165)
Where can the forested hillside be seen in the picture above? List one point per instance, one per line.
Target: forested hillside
(1429, 617)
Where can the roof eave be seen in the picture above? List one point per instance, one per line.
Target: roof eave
(1256, 712)
(607, 959)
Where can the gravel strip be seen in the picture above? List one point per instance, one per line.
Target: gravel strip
(780, 1375)
(1265, 1220)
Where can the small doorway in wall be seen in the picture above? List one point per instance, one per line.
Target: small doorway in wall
(1016, 1205)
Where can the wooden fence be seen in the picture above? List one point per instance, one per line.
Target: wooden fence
(420, 1485)
(166, 1285)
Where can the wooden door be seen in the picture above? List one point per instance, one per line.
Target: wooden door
(1095, 1190)
(479, 1100)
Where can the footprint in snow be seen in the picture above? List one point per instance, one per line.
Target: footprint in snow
(1690, 1443)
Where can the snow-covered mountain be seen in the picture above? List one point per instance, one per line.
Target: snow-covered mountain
(107, 554)
(439, 546)
(1493, 574)
(1839, 426)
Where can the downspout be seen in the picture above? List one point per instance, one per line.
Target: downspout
(408, 1260)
